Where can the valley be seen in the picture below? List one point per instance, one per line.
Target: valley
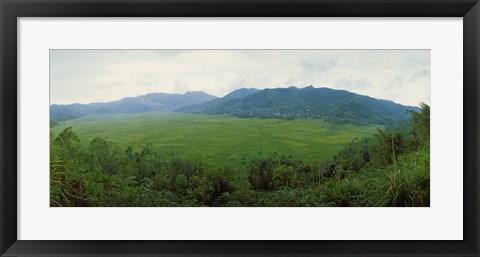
(221, 140)
(239, 128)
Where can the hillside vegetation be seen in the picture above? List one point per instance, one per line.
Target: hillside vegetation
(390, 168)
(338, 106)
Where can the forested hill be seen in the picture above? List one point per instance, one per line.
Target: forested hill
(145, 103)
(309, 102)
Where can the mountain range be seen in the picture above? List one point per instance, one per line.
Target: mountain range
(145, 103)
(283, 103)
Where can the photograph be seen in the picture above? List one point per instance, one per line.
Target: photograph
(239, 127)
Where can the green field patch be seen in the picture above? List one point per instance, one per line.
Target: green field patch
(221, 140)
(295, 143)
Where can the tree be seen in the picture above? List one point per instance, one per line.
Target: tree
(284, 176)
(103, 154)
(67, 137)
(421, 124)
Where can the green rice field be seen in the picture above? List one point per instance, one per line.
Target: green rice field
(222, 140)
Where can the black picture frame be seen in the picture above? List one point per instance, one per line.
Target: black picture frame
(10, 10)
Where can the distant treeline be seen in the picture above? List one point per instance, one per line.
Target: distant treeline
(391, 168)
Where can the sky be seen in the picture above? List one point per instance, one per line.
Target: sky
(86, 76)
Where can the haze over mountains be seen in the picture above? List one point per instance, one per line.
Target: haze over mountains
(146, 103)
(284, 103)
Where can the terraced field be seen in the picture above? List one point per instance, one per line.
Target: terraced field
(222, 140)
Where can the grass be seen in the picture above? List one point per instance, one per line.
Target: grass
(407, 181)
(222, 140)
(404, 183)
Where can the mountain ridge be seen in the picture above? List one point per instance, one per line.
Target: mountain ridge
(329, 104)
(144, 103)
(236, 94)
(308, 102)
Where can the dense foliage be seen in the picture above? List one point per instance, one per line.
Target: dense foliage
(391, 168)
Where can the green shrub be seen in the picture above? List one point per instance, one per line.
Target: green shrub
(181, 182)
(346, 192)
(283, 176)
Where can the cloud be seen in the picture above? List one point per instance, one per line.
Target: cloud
(105, 75)
(318, 66)
(351, 83)
(397, 82)
(422, 74)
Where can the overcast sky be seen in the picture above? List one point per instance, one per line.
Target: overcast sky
(85, 76)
